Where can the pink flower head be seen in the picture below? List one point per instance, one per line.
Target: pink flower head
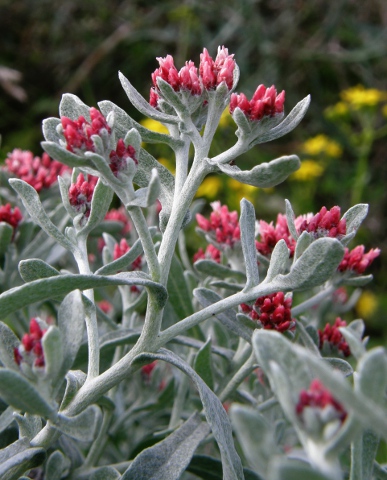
(270, 235)
(38, 172)
(9, 215)
(264, 103)
(153, 97)
(326, 223)
(119, 157)
(119, 215)
(167, 71)
(81, 194)
(30, 349)
(332, 335)
(356, 260)
(105, 306)
(78, 132)
(146, 370)
(223, 225)
(320, 399)
(121, 248)
(189, 80)
(272, 311)
(211, 253)
(213, 73)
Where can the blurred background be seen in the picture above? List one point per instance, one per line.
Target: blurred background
(336, 51)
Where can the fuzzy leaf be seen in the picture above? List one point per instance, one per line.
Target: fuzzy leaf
(20, 394)
(53, 352)
(105, 473)
(203, 364)
(56, 465)
(255, 436)
(354, 341)
(168, 459)
(288, 124)
(179, 295)
(50, 131)
(6, 233)
(214, 411)
(8, 342)
(102, 198)
(171, 96)
(303, 242)
(358, 281)
(228, 318)
(247, 226)
(72, 107)
(264, 175)
(14, 467)
(214, 269)
(142, 105)
(81, 427)
(372, 375)
(29, 425)
(292, 470)
(279, 261)
(315, 266)
(34, 207)
(46, 288)
(355, 216)
(35, 268)
(209, 468)
(290, 219)
(63, 155)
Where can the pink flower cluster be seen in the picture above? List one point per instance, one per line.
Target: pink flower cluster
(264, 103)
(9, 215)
(78, 132)
(272, 311)
(121, 248)
(38, 172)
(319, 397)
(211, 253)
(224, 225)
(30, 350)
(270, 235)
(326, 223)
(211, 74)
(356, 260)
(118, 157)
(332, 335)
(81, 194)
(119, 215)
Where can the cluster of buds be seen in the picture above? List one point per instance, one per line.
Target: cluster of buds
(211, 253)
(272, 311)
(332, 336)
(322, 408)
(270, 235)
(78, 132)
(38, 172)
(223, 225)
(211, 74)
(30, 350)
(146, 371)
(356, 260)
(326, 223)
(81, 194)
(120, 156)
(264, 103)
(9, 215)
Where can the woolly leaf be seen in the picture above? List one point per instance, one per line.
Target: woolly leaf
(35, 268)
(203, 364)
(247, 226)
(8, 342)
(214, 269)
(82, 426)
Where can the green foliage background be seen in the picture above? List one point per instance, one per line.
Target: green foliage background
(303, 46)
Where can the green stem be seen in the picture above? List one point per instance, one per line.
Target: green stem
(238, 378)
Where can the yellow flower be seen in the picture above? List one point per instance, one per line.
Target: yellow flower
(210, 187)
(243, 190)
(384, 110)
(309, 170)
(367, 304)
(322, 145)
(359, 97)
(167, 164)
(340, 109)
(154, 125)
(225, 118)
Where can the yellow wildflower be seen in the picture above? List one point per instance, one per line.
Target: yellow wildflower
(322, 145)
(154, 125)
(367, 304)
(225, 118)
(384, 110)
(340, 109)
(210, 187)
(359, 97)
(309, 170)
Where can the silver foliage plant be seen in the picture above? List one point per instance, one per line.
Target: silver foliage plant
(204, 370)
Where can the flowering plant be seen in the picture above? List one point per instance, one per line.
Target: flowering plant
(119, 319)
